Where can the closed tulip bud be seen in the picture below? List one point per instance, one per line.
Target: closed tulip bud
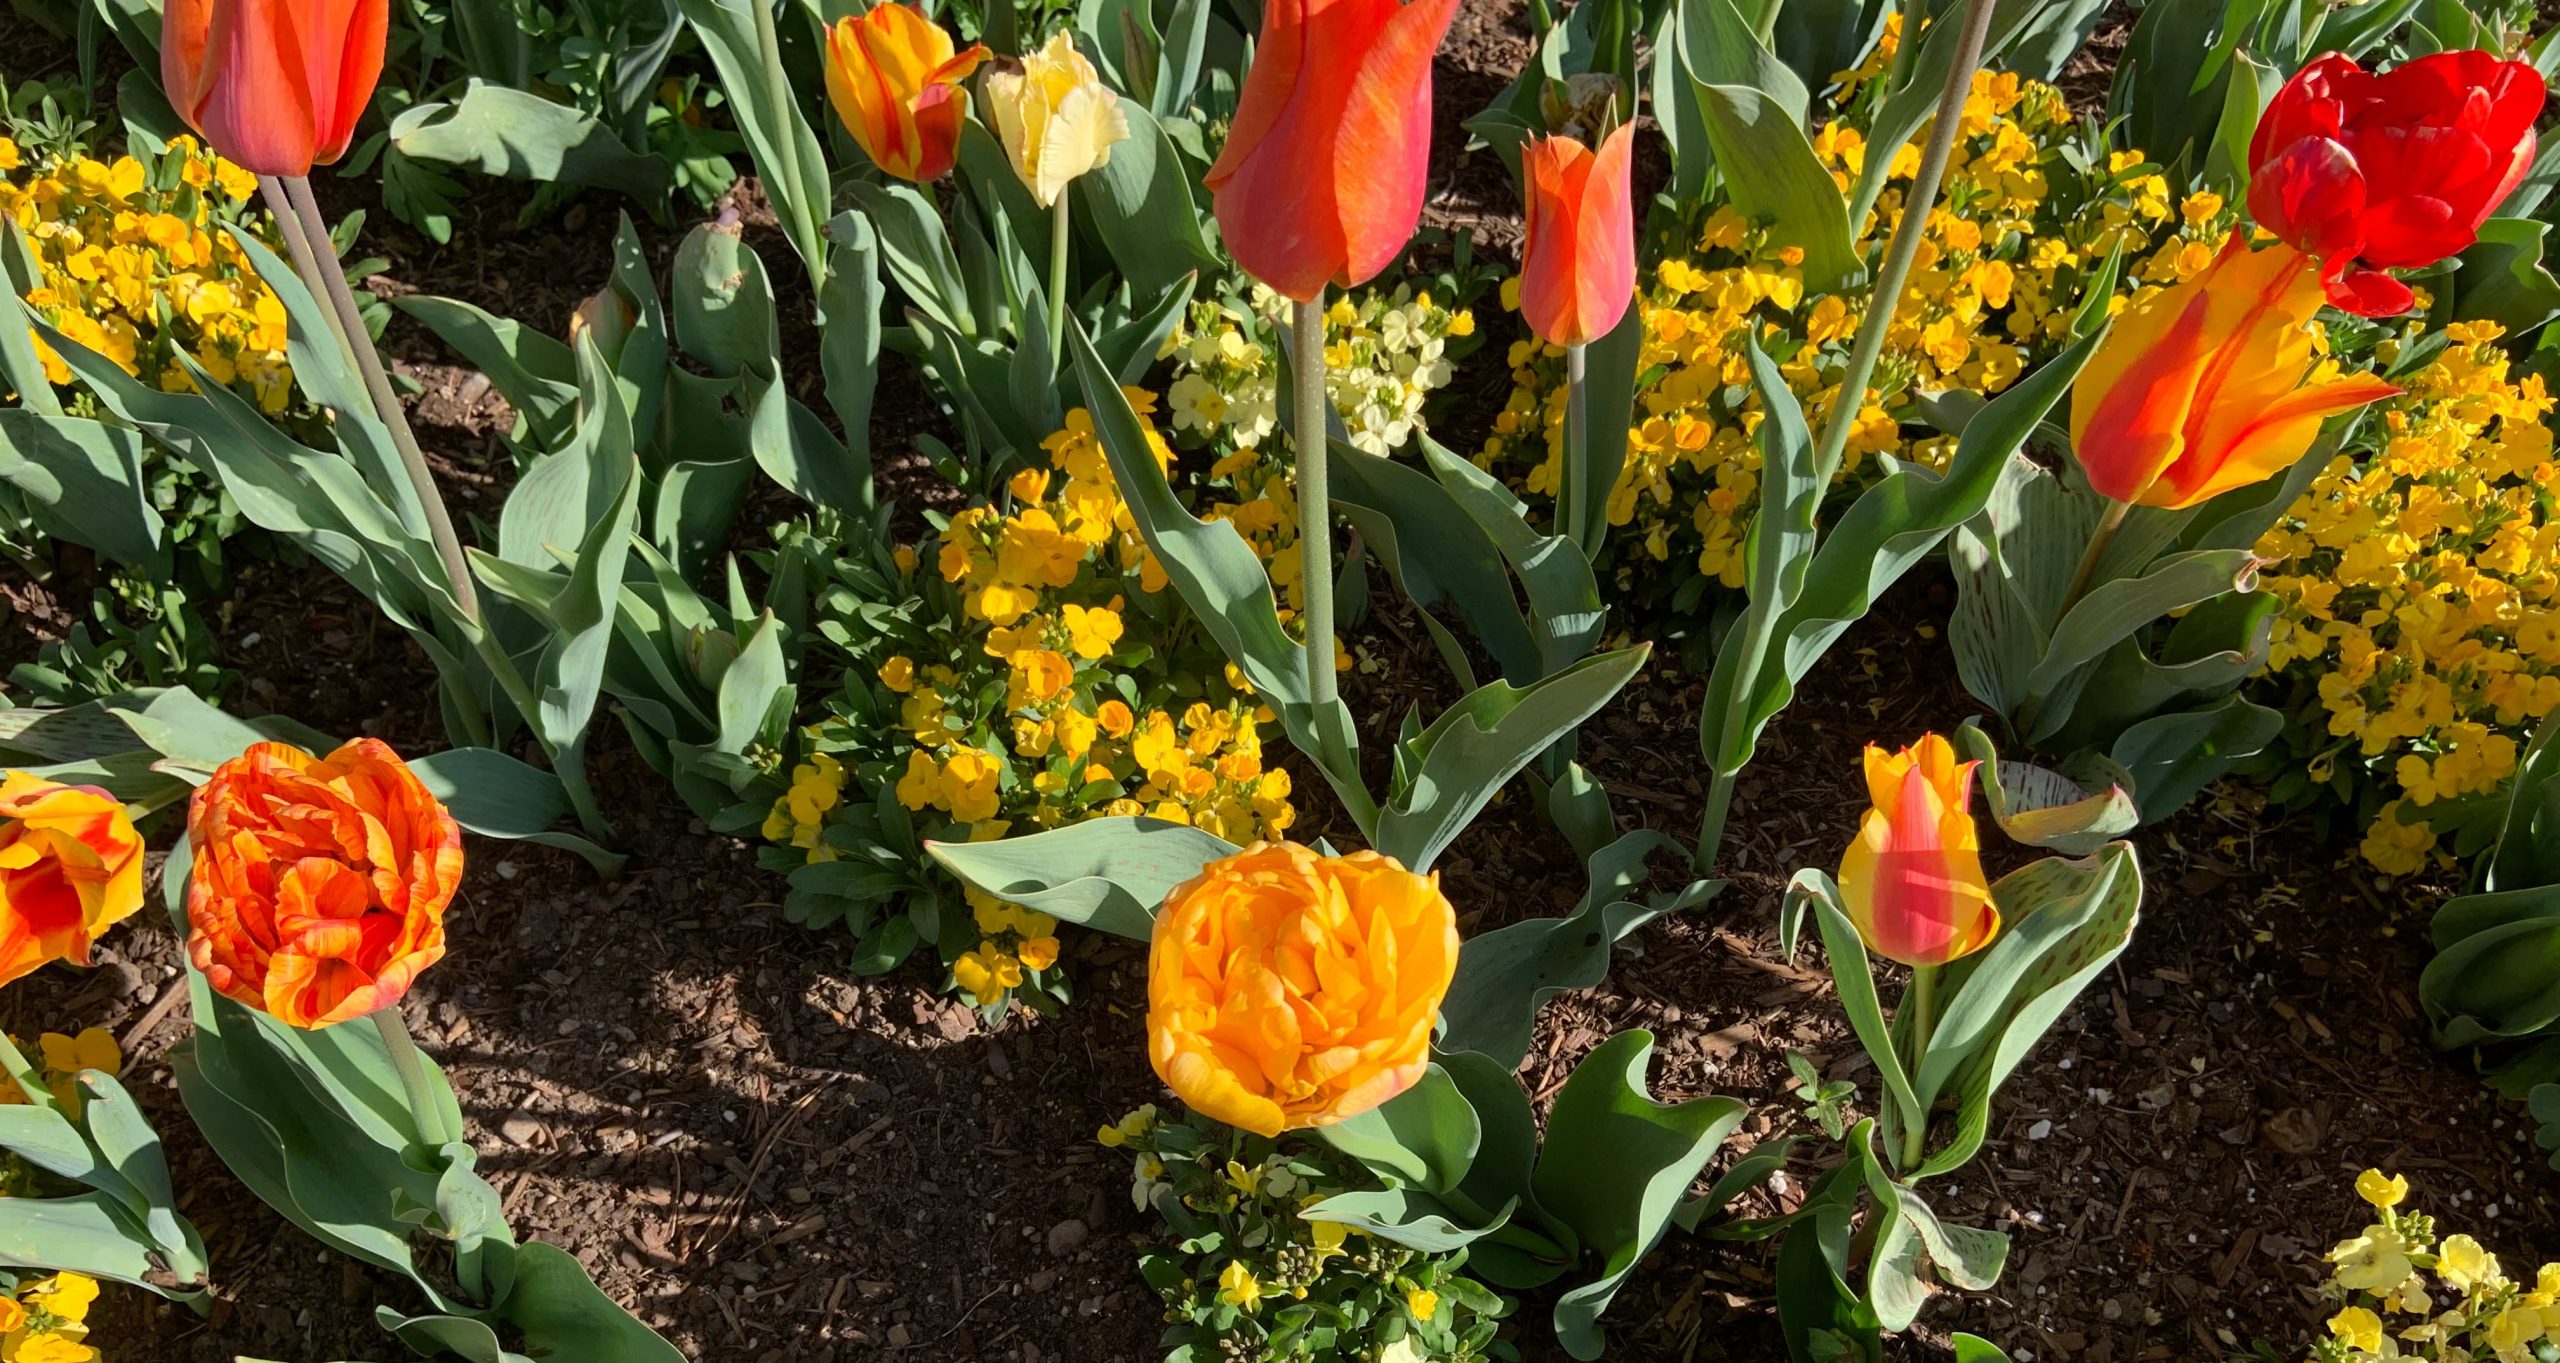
(2393, 169)
(1578, 272)
(1321, 177)
(1289, 990)
(1913, 882)
(70, 868)
(275, 85)
(2209, 385)
(1056, 118)
(320, 884)
(894, 79)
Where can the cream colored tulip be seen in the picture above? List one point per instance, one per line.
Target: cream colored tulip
(1056, 118)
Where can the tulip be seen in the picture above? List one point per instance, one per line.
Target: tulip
(275, 85)
(1321, 177)
(895, 81)
(70, 868)
(1578, 273)
(1288, 990)
(320, 884)
(2396, 169)
(2209, 385)
(1913, 882)
(1056, 118)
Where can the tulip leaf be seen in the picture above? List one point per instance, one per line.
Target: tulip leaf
(21, 274)
(2496, 973)
(1140, 203)
(1404, 1216)
(849, 355)
(498, 796)
(1109, 874)
(739, 35)
(2063, 922)
(2167, 759)
(1615, 1166)
(1453, 768)
(124, 1138)
(2528, 846)
(1611, 366)
(2047, 809)
(1775, 180)
(1423, 1138)
(1505, 974)
(501, 130)
(83, 482)
(1853, 977)
(88, 1233)
(533, 371)
(563, 1317)
(723, 304)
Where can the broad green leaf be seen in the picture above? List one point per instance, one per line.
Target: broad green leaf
(2167, 759)
(1424, 1137)
(2496, 973)
(2528, 848)
(84, 482)
(849, 355)
(1782, 544)
(740, 37)
(533, 371)
(1615, 1166)
(1403, 1216)
(89, 1233)
(2047, 809)
(2506, 278)
(498, 130)
(1140, 203)
(1853, 978)
(1611, 366)
(1461, 761)
(562, 1316)
(498, 796)
(1109, 874)
(1774, 179)
(1437, 555)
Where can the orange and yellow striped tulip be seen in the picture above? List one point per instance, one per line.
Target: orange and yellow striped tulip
(1578, 272)
(894, 78)
(2211, 384)
(1913, 882)
(70, 868)
(275, 85)
(320, 884)
(1321, 177)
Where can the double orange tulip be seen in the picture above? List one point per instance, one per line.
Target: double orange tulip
(275, 85)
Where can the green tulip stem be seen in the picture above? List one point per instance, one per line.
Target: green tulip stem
(2091, 557)
(1907, 233)
(423, 1107)
(30, 1080)
(1570, 512)
(1059, 236)
(306, 261)
(1315, 530)
(1922, 1001)
(328, 280)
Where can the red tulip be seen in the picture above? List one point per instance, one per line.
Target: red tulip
(1579, 271)
(275, 85)
(2374, 171)
(1321, 177)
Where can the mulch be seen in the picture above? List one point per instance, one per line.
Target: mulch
(767, 1157)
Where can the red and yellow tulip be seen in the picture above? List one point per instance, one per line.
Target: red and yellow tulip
(1913, 882)
(1578, 272)
(894, 77)
(320, 884)
(275, 85)
(2211, 384)
(70, 868)
(1322, 174)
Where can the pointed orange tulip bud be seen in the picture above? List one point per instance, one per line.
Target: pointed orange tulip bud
(1321, 177)
(1913, 880)
(2210, 384)
(1578, 273)
(895, 81)
(275, 85)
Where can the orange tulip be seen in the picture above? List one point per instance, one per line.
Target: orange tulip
(276, 85)
(1321, 176)
(2210, 384)
(70, 868)
(1913, 882)
(1578, 274)
(895, 81)
(320, 884)
(1288, 990)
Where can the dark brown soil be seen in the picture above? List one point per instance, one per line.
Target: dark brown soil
(768, 1158)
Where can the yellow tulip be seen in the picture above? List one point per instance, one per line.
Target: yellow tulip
(1913, 882)
(1056, 118)
(1289, 990)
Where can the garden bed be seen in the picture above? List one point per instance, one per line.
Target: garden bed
(766, 1156)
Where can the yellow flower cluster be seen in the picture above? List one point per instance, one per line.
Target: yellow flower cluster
(1385, 354)
(2402, 1293)
(1049, 696)
(1997, 279)
(2420, 588)
(45, 1320)
(135, 266)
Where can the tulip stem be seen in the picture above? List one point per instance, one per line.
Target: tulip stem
(331, 284)
(1922, 1001)
(1315, 538)
(2099, 540)
(1917, 204)
(429, 1114)
(1059, 236)
(1570, 513)
(306, 261)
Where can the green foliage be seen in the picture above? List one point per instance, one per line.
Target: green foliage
(122, 1223)
(1243, 1275)
(2494, 983)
